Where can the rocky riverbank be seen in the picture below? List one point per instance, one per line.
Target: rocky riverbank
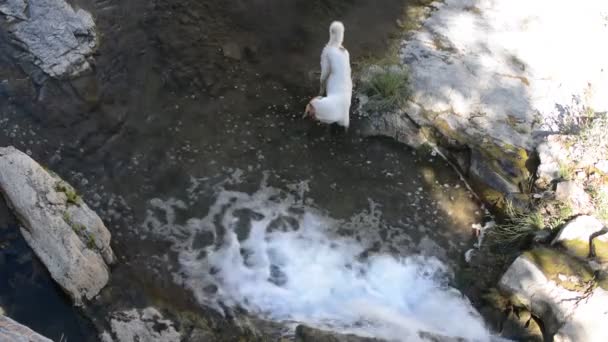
(491, 86)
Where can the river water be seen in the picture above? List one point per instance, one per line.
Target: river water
(187, 139)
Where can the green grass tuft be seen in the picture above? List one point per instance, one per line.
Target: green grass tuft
(387, 88)
(516, 227)
(566, 171)
(70, 194)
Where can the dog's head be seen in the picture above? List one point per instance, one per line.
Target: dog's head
(310, 108)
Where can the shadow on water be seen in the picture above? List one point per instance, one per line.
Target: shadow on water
(186, 90)
(27, 292)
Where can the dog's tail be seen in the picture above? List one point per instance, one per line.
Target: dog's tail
(336, 33)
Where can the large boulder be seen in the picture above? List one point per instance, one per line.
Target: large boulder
(575, 236)
(68, 237)
(140, 325)
(572, 194)
(562, 291)
(57, 38)
(497, 75)
(15, 332)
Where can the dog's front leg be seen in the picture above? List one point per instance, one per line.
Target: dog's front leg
(325, 71)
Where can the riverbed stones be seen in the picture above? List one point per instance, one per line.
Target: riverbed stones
(68, 237)
(562, 292)
(57, 38)
(15, 332)
(141, 325)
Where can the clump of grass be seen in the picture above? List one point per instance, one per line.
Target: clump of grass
(516, 227)
(91, 242)
(566, 171)
(81, 231)
(386, 87)
(70, 194)
(564, 213)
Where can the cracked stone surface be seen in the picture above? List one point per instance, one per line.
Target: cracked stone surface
(57, 38)
(141, 325)
(68, 237)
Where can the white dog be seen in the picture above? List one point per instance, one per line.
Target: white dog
(336, 78)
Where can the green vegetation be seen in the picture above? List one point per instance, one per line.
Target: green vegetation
(566, 171)
(580, 249)
(386, 87)
(70, 194)
(81, 231)
(516, 226)
(565, 270)
(91, 241)
(563, 213)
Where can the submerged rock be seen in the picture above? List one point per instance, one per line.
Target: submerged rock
(15, 332)
(68, 237)
(140, 325)
(396, 125)
(562, 291)
(57, 38)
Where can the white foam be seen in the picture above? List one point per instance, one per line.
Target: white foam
(312, 275)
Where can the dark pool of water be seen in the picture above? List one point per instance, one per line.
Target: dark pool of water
(164, 105)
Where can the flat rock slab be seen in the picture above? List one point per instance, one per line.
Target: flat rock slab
(500, 70)
(140, 325)
(15, 332)
(68, 237)
(57, 38)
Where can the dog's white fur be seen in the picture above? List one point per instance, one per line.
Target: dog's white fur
(336, 79)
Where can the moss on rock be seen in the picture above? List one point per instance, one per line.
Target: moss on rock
(70, 193)
(565, 270)
(580, 249)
